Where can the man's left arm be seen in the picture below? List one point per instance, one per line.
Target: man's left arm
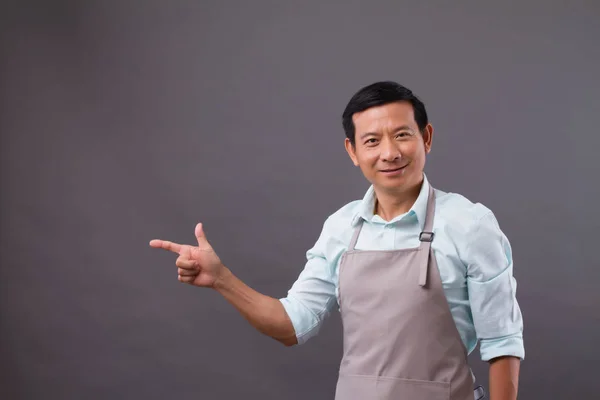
(496, 313)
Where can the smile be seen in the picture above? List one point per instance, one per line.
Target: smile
(393, 171)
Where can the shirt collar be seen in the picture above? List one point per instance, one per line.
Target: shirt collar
(366, 209)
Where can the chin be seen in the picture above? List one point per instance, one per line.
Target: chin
(394, 186)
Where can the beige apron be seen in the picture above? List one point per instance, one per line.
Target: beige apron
(400, 340)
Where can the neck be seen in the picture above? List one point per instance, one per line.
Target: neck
(388, 205)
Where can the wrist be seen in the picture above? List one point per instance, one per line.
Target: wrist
(223, 278)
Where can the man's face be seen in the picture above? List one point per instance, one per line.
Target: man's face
(389, 149)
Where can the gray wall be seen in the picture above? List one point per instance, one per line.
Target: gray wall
(124, 121)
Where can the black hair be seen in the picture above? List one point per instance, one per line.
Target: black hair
(378, 94)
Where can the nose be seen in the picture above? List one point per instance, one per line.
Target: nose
(390, 151)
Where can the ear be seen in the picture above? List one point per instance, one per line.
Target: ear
(428, 137)
(351, 151)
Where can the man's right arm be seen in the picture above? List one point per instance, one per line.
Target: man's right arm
(298, 316)
(264, 313)
(290, 320)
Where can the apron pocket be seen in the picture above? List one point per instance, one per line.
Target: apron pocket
(365, 387)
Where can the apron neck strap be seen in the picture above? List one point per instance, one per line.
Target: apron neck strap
(426, 237)
(355, 236)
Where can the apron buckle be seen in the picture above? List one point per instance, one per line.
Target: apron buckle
(426, 236)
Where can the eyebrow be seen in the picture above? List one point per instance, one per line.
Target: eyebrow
(400, 128)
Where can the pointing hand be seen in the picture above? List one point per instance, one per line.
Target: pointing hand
(197, 265)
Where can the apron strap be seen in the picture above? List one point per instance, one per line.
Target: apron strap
(355, 236)
(426, 237)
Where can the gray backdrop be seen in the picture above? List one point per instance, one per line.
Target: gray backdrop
(125, 121)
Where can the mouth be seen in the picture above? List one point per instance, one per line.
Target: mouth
(393, 170)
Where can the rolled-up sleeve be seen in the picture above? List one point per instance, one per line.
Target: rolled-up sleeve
(492, 291)
(312, 296)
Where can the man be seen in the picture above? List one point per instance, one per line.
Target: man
(419, 275)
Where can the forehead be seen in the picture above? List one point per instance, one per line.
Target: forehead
(385, 116)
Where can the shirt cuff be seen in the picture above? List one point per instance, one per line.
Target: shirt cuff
(504, 346)
(305, 322)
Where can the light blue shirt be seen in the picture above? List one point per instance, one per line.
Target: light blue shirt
(473, 256)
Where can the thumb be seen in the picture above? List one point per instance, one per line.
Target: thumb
(200, 236)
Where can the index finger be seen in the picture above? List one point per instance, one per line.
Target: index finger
(164, 244)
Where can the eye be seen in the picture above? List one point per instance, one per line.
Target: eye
(403, 134)
(371, 141)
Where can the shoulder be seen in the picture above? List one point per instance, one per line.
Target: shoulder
(460, 214)
(343, 217)
(336, 232)
(473, 229)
